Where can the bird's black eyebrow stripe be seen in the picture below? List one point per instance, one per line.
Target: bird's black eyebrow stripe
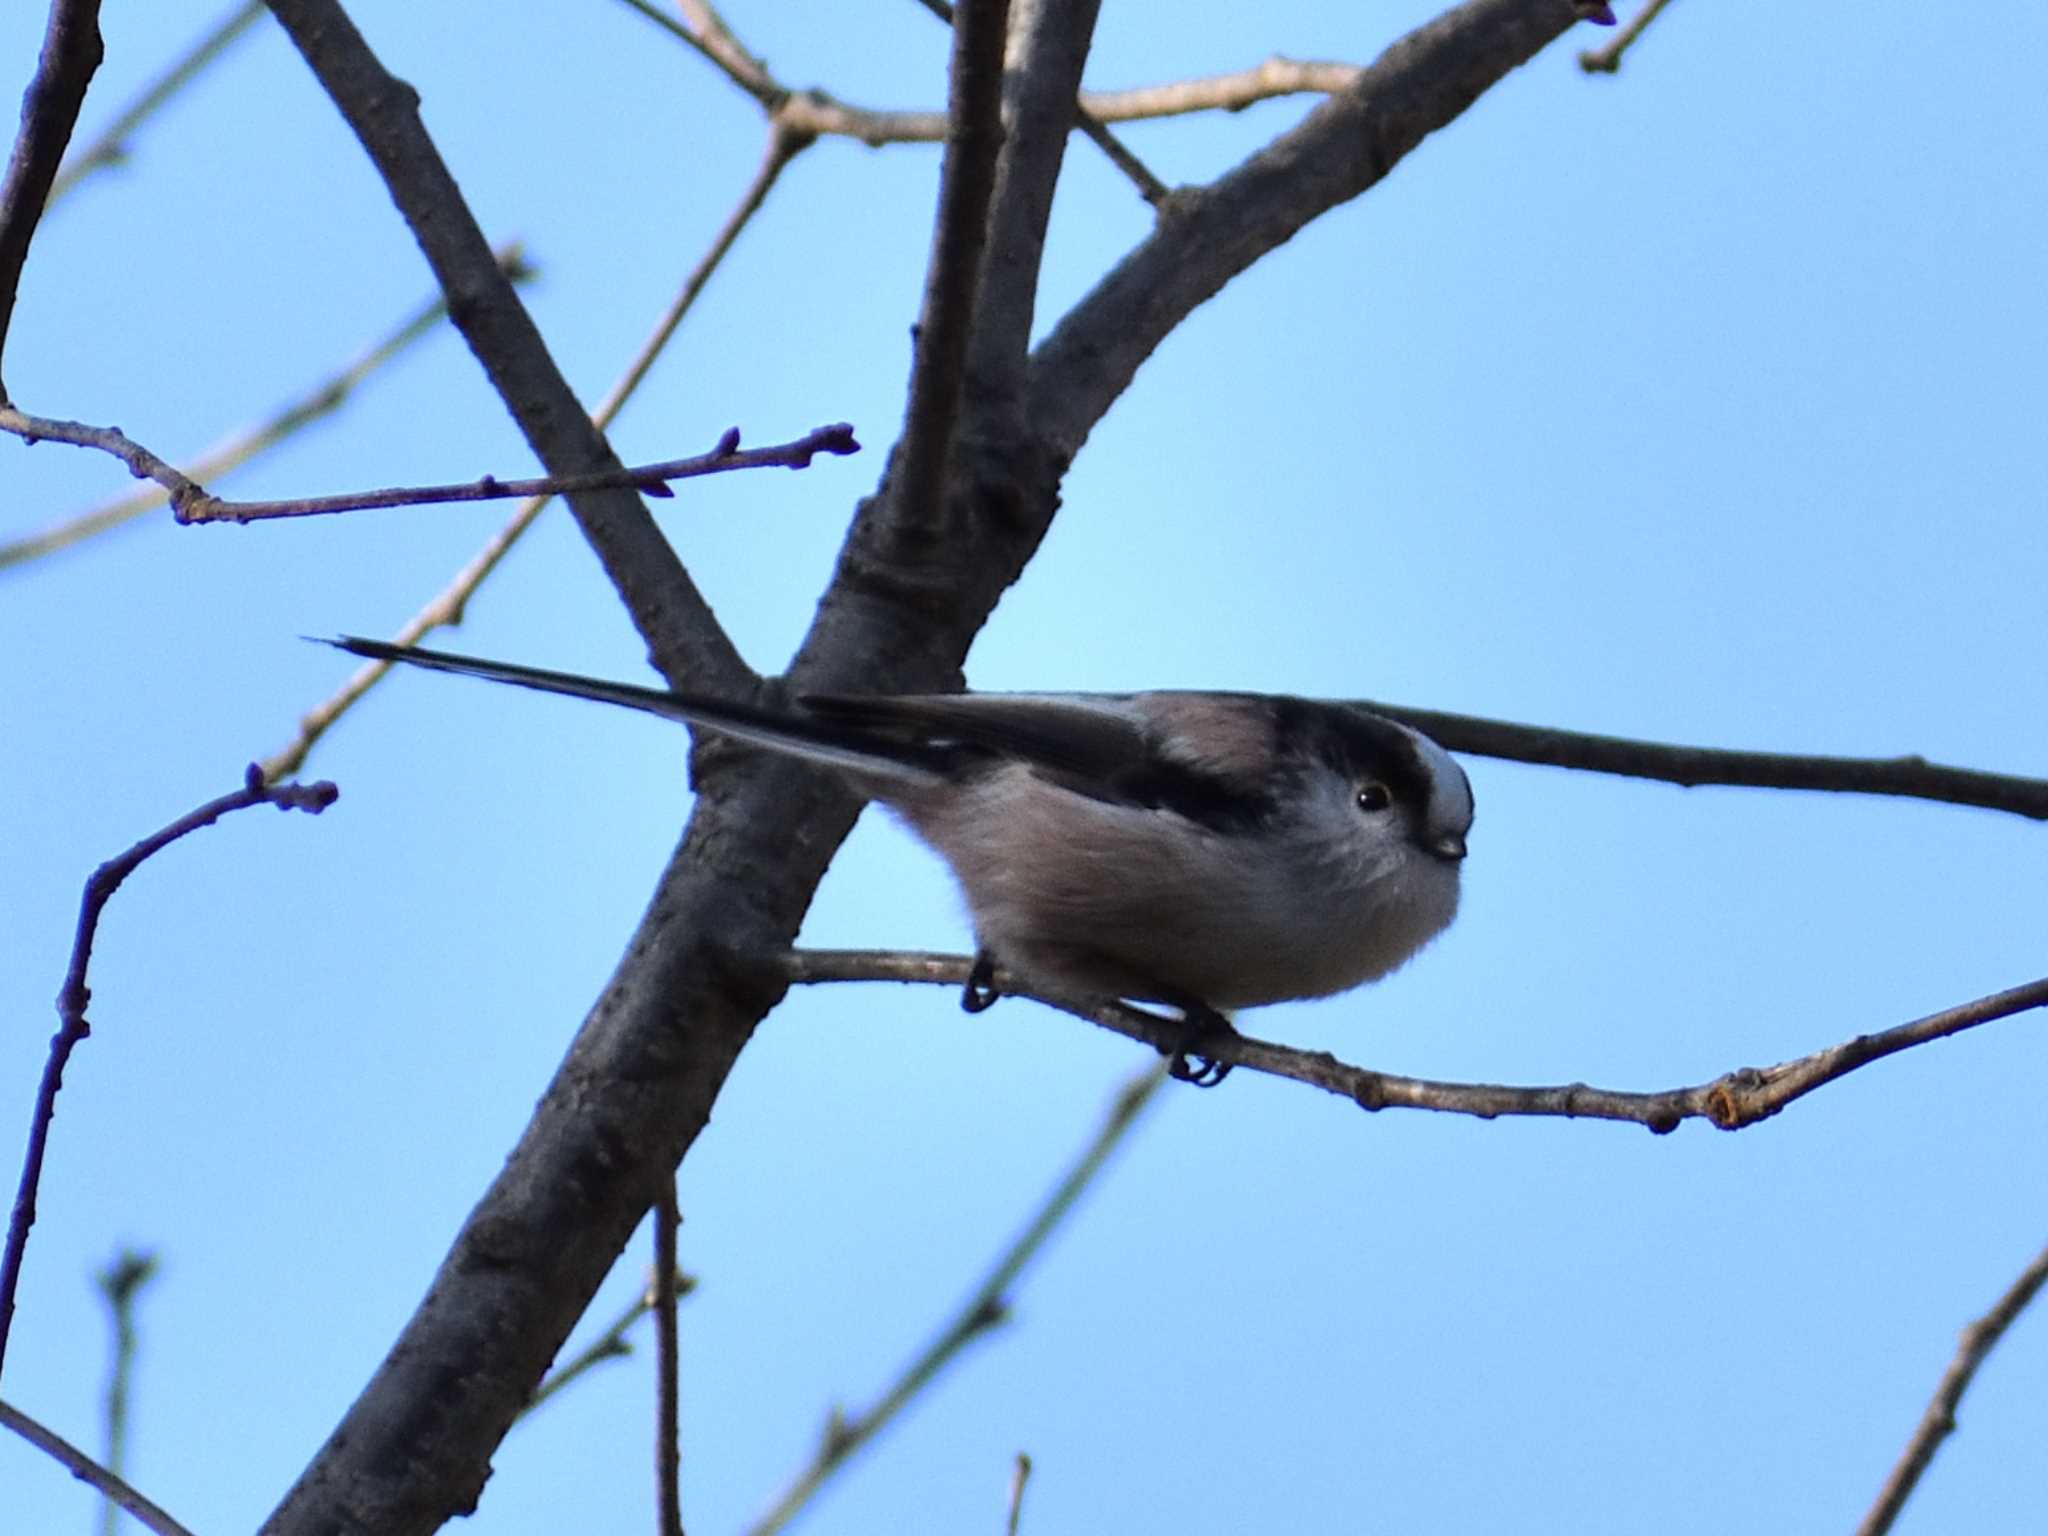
(1361, 745)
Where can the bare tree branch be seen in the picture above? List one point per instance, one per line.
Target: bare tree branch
(111, 147)
(1939, 1422)
(638, 1082)
(1150, 187)
(72, 997)
(960, 234)
(1607, 60)
(684, 640)
(119, 1284)
(1020, 1474)
(446, 606)
(1733, 1100)
(71, 55)
(668, 1434)
(648, 479)
(86, 1470)
(1233, 92)
(142, 464)
(192, 504)
(238, 449)
(984, 1309)
(1908, 777)
(1346, 145)
(610, 1344)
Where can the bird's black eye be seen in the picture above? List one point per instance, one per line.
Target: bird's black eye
(1374, 796)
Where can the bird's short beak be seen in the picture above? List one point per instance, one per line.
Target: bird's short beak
(1451, 848)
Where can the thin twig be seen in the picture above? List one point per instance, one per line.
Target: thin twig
(73, 997)
(86, 1470)
(1233, 92)
(232, 453)
(1607, 60)
(668, 1432)
(1939, 1421)
(984, 1309)
(446, 607)
(119, 1284)
(611, 1344)
(967, 181)
(191, 503)
(71, 55)
(111, 147)
(1733, 1100)
(1910, 777)
(1020, 1474)
(728, 52)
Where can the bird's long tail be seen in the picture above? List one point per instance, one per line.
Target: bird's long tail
(869, 755)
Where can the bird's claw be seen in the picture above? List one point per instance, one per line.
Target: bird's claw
(980, 992)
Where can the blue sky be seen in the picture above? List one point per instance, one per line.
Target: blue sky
(1703, 403)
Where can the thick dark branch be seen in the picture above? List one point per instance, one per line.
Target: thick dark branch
(1050, 46)
(72, 51)
(1910, 777)
(1939, 1422)
(967, 182)
(1733, 1100)
(684, 640)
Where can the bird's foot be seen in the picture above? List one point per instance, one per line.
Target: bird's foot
(1188, 1061)
(981, 992)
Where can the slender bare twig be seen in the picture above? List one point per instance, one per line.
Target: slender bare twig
(611, 1344)
(1909, 777)
(49, 112)
(1019, 1476)
(719, 44)
(111, 147)
(86, 1470)
(1733, 1100)
(821, 114)
(191, 503)
(142, 464)
(74, 995)
(1939, 1421)
(650, 479)
(446, 607)
(953, 273)
(119, 1284)
(1607, 60)
(1233, 92)
(233, 452)
(983, 1310)
(668, 1431)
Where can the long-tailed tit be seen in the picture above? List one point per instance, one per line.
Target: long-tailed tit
(1210, 851)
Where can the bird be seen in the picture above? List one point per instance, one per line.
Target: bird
(1208, 851)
